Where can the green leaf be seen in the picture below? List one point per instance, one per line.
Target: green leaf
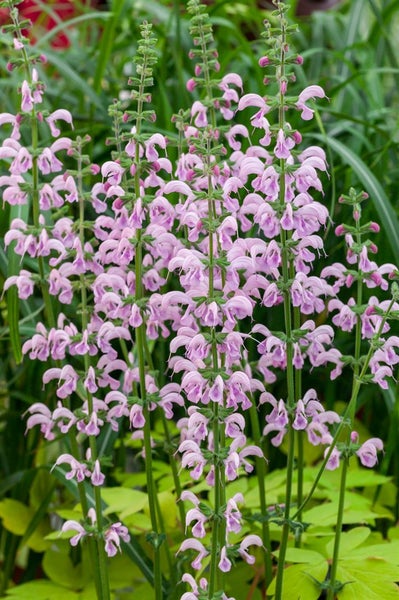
(368, 579)
(167, 504)
(388, 551)
(59, 568)
(358, 509)
(123, 501)
(299, 582)
(302, 555)
(17, 518)
(41, 590)
(349, 540)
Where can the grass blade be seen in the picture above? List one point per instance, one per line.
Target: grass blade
(387, 215)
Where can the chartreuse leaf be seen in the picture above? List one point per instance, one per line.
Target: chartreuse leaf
(42, 484)
(276, 482)
(58, 567)
(238, 583)
(300, 581)
(349, 541)
(42, 590)
(122, 573)
(371, 579)
(167, 504)
(17, 518)
(123, 501)
(359, 478)
(302, 555)
(388, 551)
(358, 509)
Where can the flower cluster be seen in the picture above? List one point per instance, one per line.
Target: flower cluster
(189, 254)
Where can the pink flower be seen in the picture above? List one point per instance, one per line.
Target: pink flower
(78, 470)
(310, 92)
(68, 375)
(24, 283)
(249, 540)
(113, 536)
(74, 526)
(368, 452)
(224, 564)
(194, 514)
(193, 544)
(60, 114)
(198, 110)
(284, 145)
(192, 457)
(41, 415)
(334, 458)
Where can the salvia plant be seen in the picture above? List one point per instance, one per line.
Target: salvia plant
(182, 301)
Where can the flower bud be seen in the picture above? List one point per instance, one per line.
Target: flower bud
(264, 61)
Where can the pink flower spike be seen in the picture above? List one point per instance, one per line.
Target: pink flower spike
(310, 92)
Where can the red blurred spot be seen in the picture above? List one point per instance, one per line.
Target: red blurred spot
(43, 22)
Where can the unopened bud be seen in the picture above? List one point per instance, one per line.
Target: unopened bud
(340, 230)
(374, 227)
(95, 169)
(296, 136)
(264, 61)
(299, 60)
(190, 85)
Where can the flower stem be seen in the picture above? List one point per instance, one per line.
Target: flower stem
(98, 552)
(261, 475)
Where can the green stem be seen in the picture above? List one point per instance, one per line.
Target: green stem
(140, 346)
(98, 551)
(290, 371)
(338, 530)
(261, 476)
(286, 526)
(351, 414)
(218, 531)
(348, 411)
(169, 447)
